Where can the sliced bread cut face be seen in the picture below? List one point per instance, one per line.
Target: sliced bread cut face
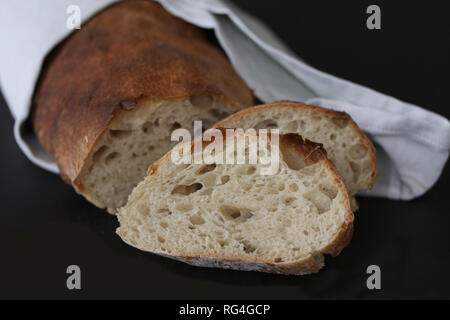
(350, 151)
(232, 216)
(137, 138)
(133, 60)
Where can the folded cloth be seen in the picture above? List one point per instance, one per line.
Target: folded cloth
(29, 30)
(412, 143)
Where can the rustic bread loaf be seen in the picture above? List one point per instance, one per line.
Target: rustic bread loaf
(232, 216)
(347, 147)
(110, 95)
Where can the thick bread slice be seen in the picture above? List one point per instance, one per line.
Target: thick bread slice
(347, 147)
(110, 94)
(232, 216)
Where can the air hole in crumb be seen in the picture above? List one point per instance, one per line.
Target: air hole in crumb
(111, 157)
(147, 127)
(355, 170)
(184, 206)
(98, 154)
(340, 122)
(223, 242)
(164, 225)
(234, 213)
(266, 124)
(278, 260)
(119, 133)
(332, 136)
(187, 190)
(161, 239)
(293, 187)
(164, 211)
(358, 151)
(206, 168)
(248, 247)
(289, 200)
(329, 190)
(224, 179)
(319, 199)
(196, 219)
(251, 170)
(292, 159)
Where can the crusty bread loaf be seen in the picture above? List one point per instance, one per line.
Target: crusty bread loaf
(110, 95)
(347, 147)
(232, 216)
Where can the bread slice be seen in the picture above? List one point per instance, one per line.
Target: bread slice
(347, 147)
(232, 216)
(110, 95)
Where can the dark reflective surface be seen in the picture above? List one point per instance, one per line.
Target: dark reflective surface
(45, 226)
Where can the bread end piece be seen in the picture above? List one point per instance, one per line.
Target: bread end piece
(347, 146)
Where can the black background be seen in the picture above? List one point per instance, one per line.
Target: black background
(45, 226)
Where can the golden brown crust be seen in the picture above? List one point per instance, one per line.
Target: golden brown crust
(131, 51)
(338, 116)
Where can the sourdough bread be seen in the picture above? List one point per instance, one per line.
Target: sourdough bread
(109, 96)
(232, 216)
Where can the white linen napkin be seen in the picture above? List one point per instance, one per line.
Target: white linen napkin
(412, 143)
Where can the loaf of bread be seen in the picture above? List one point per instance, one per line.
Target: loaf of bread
(233, 216)
(110, 95)
(347, 147)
